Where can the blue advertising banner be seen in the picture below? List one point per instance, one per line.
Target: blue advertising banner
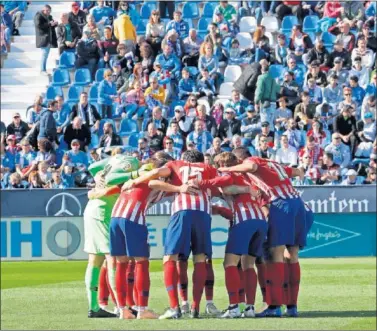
(45, 203)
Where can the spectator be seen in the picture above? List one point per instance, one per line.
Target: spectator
(312, 149)
(102, 13)
(206, 86)
(353, 12)
(209, 120)
(7, 158)
(362, 73)
(16, 9)
(331, 11)
(305, 110)
(125, 8)
(87, 112)
(155, 138)
(177, 138)
(332, 93)
(144, 151)
(107, 93)
(6, 29)
(366, 54)
(124, 31)
(76, 130)
(371, 89)
(66, 172)
(215, 148)
(169, 61)
(77, 16)
(227, 10)
(107, 47)
(147, 58)
(299, 39)
(236, 56)
(34, 180)
(18, 128)
(217, 111)
(191, 49)
(348, 101)
(3, 129)
(15, 182)
(166, 6)
(346, 35)
(132, 102)
(208, 159)
(93, 156)
(236, 141)
(315, 73)
(209, 61)
(352, 178)
(45, 34)
(291, 7)
(341, 152)
(96, 29)
(330, 171)
(61, 114)
(283, 114)
(290, 90)
(371, 176)
(47, 128)
(109, 137)
(186, 85)
(200, 138)
(25, 159)
(369, 106)
(169, 148)
(46, 152)
(264, 150)
(184, 122)
(138, 75)
(68, 34)
(281, 50)
(76, 156)
(286, 154)
(339, 53)
(238, 104)
(358, 92)
(56, 182)
(267, 133)
(250, 126)
(318, 134)
(154, 96)
(179, 25)
(293, 134)
(155, 31)
(87, 53)
(366, 134)
(229, 127)
(318, 53)
(171, 39)
(266, 92)
(297, 71)
(369, 37)
(160, 123)
(314, 91)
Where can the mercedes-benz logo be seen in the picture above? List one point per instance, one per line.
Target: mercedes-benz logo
(63, 211)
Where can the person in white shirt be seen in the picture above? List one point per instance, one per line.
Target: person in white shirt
(366, 54)
(363, 73)
(286, 154)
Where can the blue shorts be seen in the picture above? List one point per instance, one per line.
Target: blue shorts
(287, 223)
(189, 230)
(309, 219)
(128, 238)
(247, 238)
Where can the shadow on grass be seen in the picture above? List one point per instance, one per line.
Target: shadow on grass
(347, 314)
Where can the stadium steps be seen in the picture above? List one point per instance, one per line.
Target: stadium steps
(20, 76)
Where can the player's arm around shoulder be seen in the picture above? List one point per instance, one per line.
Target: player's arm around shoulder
(163, 172)
(246, 166)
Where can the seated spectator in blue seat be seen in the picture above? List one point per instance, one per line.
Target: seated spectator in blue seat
(179, 25)
(332, 93)
(138, 74)
(12, 146)
(25, 159)
(56, 181)
(96, 29)
(210, 61)
(281, 50)
(250, 126)
(236, 56)
(93, 156)
(34, 114)
(17, 127)
(46, 152)
(107, 47)
(143, 148)
(109, 137)
(264, 149)
(315, 72)
(352, 178)
(154, 96)
(61, 115)
(299, 38)
(201, 138)
(358, 93)
(7, 159)
(371, 89)
(77, 130)
(238, 104)
(206, 86)
(132, 102)
(171, 39)
(299, 75)
(362, 73)
(16, 182)
(120, 78)
(229, 127)
(16, 9)
(169, 61)
(216, 148)
(102, 13)
(315, 92)
(319, 53)
(367, 135)
(67, 174)
(169, 149)
(161, 124)
(164, 79)
(68, 34)
(87, 112)
(174, 134)
(210, 122)
(297, 54)
(107, 94)
(88, 53)
(341, 152)
(225, 28)
(75, 155)
(191, 49)
(186, 85)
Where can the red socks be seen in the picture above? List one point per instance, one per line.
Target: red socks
(182, 279)
(294, 282)
(250, 285)
(261, 267)
(210, 281)
(103, 290)
(286, 287)
(198, 281)
(121, 286)
(143, 282)
(171, 282)
(274, 283)
(232, 283)
(130, 277)
(241, 290)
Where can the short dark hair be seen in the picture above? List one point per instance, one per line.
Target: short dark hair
(241, 153)
(193, 156)
(52, 103)
(330, 155)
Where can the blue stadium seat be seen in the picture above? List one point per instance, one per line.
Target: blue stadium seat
(128, 149)
(74, 92)
(60, 77)
(93, 93)
(203, 26)
(67, 60)
(132, 139)
(95, 141)
(127, 126)
(276, 70)
(208, 9)
(288, 23)
(102, 123)
(52, 92)
(99, 74)
(62, 144)
(328, 40)
(145, 11)
(190, 10)
(310, 23)
(82, 77)
(151, 4)
(141, 27)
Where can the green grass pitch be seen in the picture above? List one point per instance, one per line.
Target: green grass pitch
(336, 294)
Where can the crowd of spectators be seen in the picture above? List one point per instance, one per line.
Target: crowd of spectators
(168, 84)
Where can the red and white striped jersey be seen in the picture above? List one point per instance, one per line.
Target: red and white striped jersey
(181, 173)
(133, 205)
(244, 206)
(272, 178)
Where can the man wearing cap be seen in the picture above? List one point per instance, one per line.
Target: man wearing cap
(369, 37)
(238, 104)
(299, 74)
(179, 25)
(317, 74)
(340, 151)
(250, 126)
(366, 54)
(78, 16)
(362, 73)
(229, 127)
(318, 53)
(352, 178)
(18, 128)
(76, 156)
(339, 53)
(184, 122)
(339, 71)
(68, 34)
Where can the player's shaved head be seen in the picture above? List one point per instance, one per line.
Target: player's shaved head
(193, 156)
(241, 153)
(226, 159)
